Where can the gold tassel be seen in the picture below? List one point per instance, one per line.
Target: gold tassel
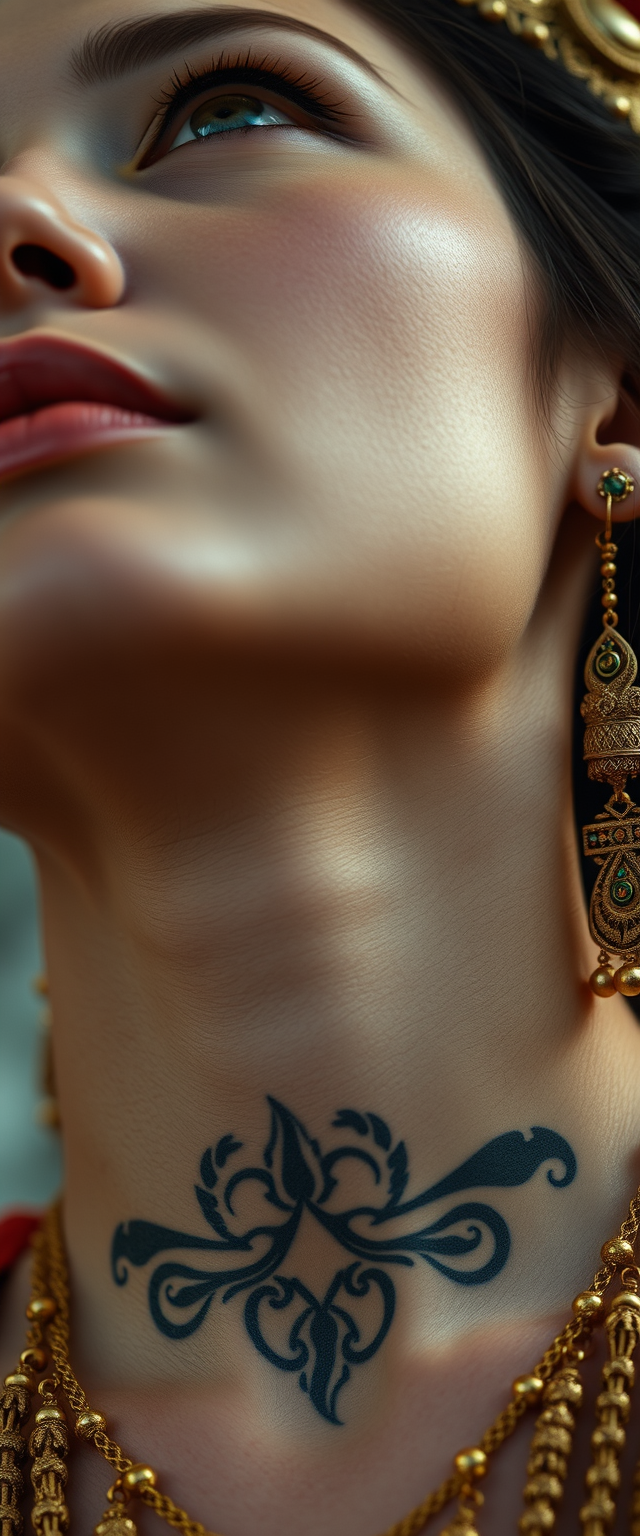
(551, 1447)
(115, 1520)
(15, 1407)
(464, 1523)
(612, 1407)
(48, 1445)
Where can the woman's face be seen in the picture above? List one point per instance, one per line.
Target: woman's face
(279, 219)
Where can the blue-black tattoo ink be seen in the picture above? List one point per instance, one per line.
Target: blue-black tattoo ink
(324, 1339)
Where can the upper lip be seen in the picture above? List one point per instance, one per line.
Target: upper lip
(37, 370)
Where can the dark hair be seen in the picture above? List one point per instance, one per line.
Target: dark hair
(568, 170)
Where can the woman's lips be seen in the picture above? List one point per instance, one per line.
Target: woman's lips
(59, 398)
(73, 427)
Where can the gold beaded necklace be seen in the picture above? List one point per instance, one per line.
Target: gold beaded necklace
(553, 1385)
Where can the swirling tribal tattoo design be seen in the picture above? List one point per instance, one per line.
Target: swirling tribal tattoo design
(324, 1339)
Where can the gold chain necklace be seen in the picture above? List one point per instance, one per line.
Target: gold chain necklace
(554, 1384)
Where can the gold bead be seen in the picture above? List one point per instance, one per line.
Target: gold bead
(627, 980)
(21, 1379)
(609, 600)
(617, 1251)
(619, 104)
(625, 1299)
(587, 1304)
(528, 1387)
(33, 1359)
(608, 568)
(88, 1423)
(602, 981)
(472, 1462)
(138, 1477)
(493, 10)
(41, 1309)
(50, 1415)
(536, 32)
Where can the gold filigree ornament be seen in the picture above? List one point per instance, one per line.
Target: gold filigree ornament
(597, 41)
(611, 712)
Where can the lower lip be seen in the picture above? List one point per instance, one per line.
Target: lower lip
(72, 427)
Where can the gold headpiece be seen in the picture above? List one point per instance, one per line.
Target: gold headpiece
(596, 40)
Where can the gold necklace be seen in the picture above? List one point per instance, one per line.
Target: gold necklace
(554, 1385)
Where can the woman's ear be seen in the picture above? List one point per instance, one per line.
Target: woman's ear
(610, 440)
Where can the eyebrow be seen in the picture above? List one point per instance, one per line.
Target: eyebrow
(123, 47)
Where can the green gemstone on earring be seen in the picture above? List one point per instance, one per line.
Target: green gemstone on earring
(608, 661)
(622, 889)
(615, 484)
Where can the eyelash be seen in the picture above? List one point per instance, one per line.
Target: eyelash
(297, 88)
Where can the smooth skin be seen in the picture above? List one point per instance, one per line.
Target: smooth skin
(285, 713)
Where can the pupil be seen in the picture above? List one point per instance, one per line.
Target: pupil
(224, 111)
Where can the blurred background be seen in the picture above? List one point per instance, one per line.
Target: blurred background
(30, 1170)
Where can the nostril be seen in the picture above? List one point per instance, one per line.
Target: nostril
(37, 261)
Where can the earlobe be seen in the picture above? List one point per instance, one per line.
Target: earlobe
(610, 440)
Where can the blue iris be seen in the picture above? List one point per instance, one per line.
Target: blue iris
(224, 113)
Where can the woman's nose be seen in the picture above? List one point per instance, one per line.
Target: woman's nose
(44, 254)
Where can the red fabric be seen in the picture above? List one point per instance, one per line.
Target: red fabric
(15, 1231)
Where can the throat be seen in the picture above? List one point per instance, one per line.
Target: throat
(316, 1124)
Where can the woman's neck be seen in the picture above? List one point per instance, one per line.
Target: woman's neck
(356, 902)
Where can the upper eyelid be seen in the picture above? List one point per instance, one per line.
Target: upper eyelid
(268, 74)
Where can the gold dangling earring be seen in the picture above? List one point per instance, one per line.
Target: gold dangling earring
(611, 712)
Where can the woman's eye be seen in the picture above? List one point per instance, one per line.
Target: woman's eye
(224, 114)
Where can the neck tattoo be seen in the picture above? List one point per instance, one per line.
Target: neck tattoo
(321, 1339)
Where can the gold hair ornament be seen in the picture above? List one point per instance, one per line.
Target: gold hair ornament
(553, 1388)
(598, 41)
